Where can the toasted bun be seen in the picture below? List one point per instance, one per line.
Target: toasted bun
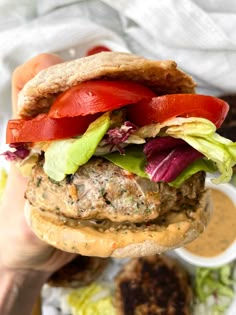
(162, 76)
(126, 243)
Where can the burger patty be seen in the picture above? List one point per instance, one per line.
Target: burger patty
(154, 285)
(81, 271)
(100, 190)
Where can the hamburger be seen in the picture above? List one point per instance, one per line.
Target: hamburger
(119, 146)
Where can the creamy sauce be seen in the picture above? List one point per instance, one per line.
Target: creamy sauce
(220, 232)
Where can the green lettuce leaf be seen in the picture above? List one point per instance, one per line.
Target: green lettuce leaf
(64, 157)
(133, 160)
(200, 134)
(216, 283)
(193, 168)
(94, 299)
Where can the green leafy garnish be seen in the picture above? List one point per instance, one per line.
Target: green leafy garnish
(200, 134)
(215, 284)
(196, 166)
(133, 160)
(94, 299)
(64, 157)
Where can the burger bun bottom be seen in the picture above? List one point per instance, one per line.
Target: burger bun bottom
(88, 241)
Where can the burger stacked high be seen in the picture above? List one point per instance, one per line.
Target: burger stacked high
(120, 146)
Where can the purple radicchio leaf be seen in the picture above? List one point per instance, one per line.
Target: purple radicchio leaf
(161, 144)
(20, 152)
(166, 164)
(119, 135)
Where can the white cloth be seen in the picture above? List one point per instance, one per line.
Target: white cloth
(198, 34)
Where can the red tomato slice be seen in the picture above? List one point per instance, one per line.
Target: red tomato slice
(97, 49)
(44, 128)
(98, 96)
(162, 108)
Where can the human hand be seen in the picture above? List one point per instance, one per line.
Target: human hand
(20, 249)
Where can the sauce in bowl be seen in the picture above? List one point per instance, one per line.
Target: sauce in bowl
(221, 230)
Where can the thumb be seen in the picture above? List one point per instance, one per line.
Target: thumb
(27, 71)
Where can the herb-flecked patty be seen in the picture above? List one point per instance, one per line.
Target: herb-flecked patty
(102, 191)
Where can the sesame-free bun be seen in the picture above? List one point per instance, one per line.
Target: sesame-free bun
(125, 243)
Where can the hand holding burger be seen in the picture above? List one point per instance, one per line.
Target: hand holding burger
(120, 146)
(25, 261)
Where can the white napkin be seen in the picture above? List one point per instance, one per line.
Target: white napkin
(198, 34)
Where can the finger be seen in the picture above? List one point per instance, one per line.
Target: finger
(28, 70)
(15, 186)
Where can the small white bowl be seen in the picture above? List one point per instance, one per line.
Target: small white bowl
(225, 257)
